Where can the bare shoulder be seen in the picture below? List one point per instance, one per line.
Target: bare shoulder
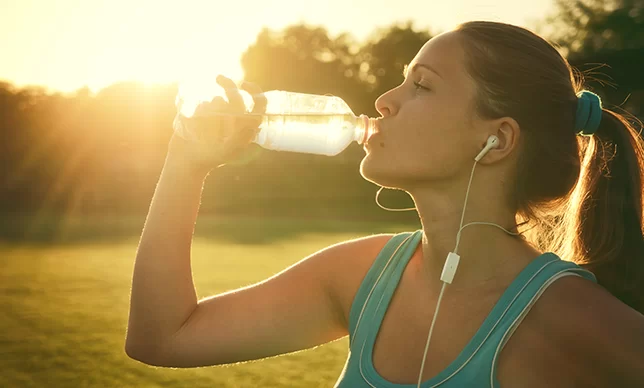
(351, 263)
(584, 336)
(604, 333)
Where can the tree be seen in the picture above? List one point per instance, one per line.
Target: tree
(584, 27)
(605, 40)
(305, 59)
(383, 58)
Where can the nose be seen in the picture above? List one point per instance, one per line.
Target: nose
(386, 104)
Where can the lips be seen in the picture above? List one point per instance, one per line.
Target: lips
(376, 126)
(374, 130)
(372, 137)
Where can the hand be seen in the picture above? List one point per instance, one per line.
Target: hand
(221, 137)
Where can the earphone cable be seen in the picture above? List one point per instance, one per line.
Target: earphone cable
(440, 296)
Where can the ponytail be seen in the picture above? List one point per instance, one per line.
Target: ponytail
(579, 197)
(602, 229)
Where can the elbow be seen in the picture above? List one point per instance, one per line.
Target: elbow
(149, 354)
(136, 351)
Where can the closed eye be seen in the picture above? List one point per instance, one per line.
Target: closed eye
(419, 86)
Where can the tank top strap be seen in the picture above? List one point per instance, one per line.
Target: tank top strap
(381, 279)
(476, 364)
(514, 305)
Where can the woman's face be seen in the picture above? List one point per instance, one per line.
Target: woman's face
(427, 130)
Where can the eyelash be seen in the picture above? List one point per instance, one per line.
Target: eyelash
(418, 86)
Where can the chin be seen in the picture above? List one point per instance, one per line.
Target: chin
(386, 173)
(379, 173)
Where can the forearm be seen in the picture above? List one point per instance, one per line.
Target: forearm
(163, 294)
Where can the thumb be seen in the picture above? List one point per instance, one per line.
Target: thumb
(251, 127)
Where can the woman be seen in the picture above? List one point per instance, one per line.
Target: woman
(558, 305)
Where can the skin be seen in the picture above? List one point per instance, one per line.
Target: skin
(577, 334)
(428, 137)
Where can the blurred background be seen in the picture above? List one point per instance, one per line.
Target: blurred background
(87, 91)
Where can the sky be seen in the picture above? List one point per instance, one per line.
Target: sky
(64, 45)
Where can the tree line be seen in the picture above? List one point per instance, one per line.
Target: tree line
(85, 153)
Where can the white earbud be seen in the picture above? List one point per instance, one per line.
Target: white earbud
(492, 142)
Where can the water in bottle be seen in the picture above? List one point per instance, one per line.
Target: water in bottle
(296, 122)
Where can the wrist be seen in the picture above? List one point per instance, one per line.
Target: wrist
(178, 166)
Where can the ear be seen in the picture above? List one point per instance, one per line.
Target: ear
(508, 131)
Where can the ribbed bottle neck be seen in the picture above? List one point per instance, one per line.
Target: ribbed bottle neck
(364, 127)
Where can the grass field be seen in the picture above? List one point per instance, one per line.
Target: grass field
(64, 302)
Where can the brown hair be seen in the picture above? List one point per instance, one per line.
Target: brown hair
(577, 196)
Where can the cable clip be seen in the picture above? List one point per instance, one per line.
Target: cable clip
(449, 270)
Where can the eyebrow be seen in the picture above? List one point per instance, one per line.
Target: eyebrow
(416, 66)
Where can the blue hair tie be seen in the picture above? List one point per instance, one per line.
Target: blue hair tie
(589, 113)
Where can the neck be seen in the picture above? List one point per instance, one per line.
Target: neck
(489, 256)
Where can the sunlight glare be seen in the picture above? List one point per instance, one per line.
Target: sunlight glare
(202, 59)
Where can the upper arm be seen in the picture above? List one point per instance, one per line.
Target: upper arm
(617, 332)
(576, 334)
(604, 335)
(293, 310)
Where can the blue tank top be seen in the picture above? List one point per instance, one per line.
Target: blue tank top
(476, 365)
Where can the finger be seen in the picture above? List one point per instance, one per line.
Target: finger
(234, 98)
(248, 125)
(259, 98)
(242, 130)
(217, 104)
(249, 132)
(208, 119)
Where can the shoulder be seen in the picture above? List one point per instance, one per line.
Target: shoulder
(350, 258)
(350, 263)
(586, 323)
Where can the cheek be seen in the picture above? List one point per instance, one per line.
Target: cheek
(424, 144)
(429, 150)
(411, 154)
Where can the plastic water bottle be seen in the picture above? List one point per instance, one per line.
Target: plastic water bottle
(296, 122)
